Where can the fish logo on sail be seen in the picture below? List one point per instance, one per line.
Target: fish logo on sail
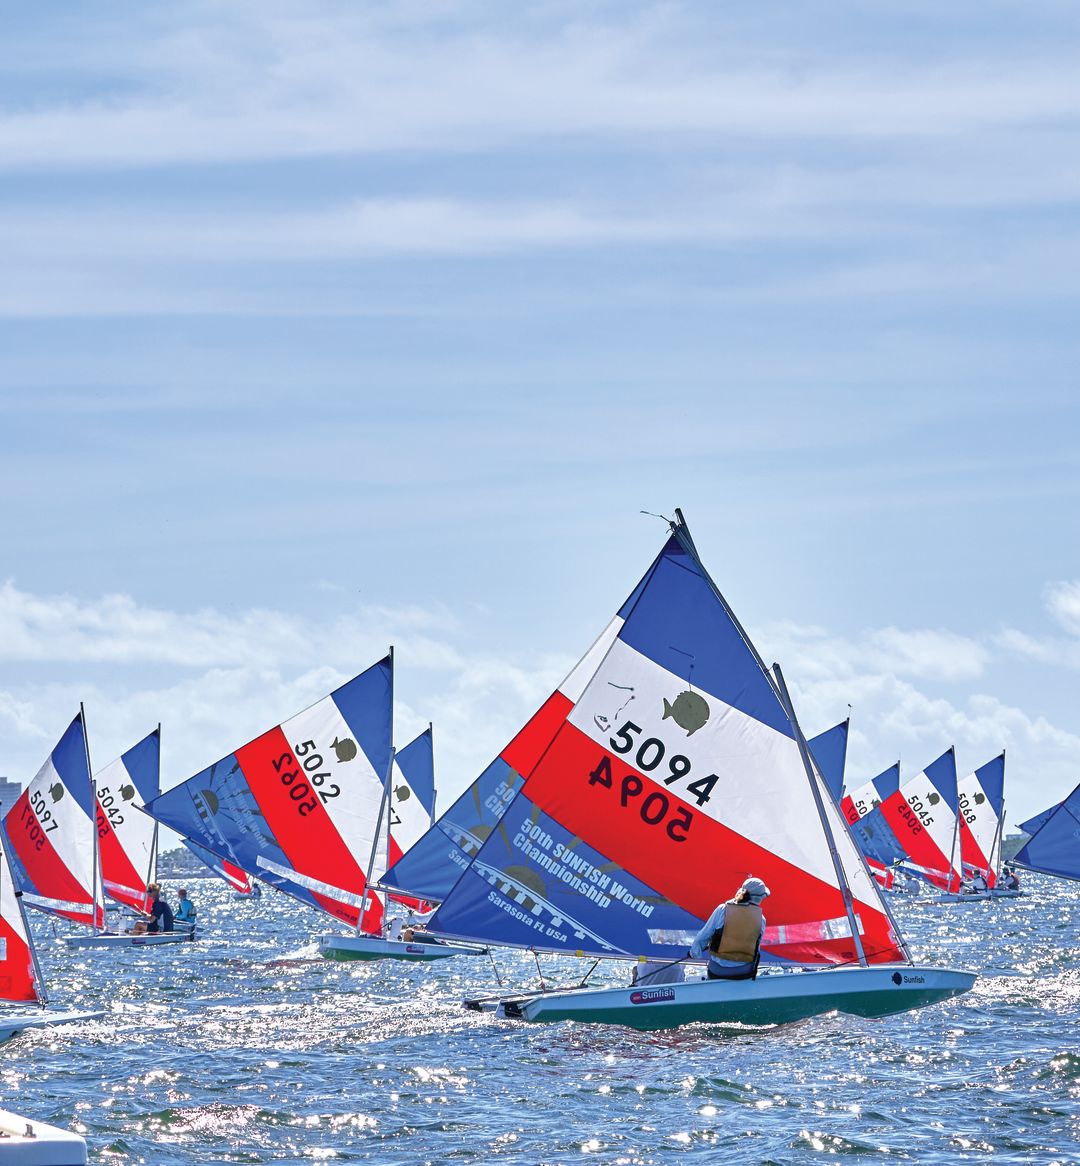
(688, 710)
(56, 791)
(344, 750)
(980, 798)
(933, 798)
(402, 793)
(127, 792)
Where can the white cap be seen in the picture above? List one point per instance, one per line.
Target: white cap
(755, 890)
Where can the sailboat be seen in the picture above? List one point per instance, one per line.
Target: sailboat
(240, 881)
(981, 801)
(127, 844)
(679, 770)
(1054, 847)
(301, 807)
(21, 981)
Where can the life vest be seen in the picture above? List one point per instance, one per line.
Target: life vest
(737, 940)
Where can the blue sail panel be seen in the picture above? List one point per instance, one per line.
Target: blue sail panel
(1055, 848)
(143, 763)
(537, 885)
(887, 781)
(830, 752)
(430, 868)
(875, 838)
(1033, 825)
(942, 772)
(991, 777)
(417, 763)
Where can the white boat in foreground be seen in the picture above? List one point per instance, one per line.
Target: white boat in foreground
(776, 998)
(374, 947)
(33, 1143)
(14, 1022)
(132, 938)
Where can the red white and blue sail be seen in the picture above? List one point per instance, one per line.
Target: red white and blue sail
(238, 879)
(1054, 848)
(864, 798)
(18, 972)
(829, 750)
(127, 838)
(51, 832)
(299, 806)
(410, 802)
(923, 816)
(433, 864)
(981, 801)
(674, 775)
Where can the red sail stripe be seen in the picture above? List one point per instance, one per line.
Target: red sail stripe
(690, 873)
(116, 866)
(915, 839)
(17, 968)
(971, 853)
(526, 749)
(308, 837)
(49, 875)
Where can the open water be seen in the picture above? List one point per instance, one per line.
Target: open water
(247, 1047)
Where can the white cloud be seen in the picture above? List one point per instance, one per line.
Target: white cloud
(1063, 603)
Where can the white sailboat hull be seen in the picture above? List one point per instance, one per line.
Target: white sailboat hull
(130, 939)
(33, 1143)
(374, 947)
(776, 998)
(14, 1022)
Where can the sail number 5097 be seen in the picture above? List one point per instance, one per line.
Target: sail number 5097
(654, 809)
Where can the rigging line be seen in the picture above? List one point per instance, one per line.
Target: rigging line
(585, 977)
(539, 972)
(494, 968)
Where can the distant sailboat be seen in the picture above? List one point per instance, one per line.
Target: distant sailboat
(301, 807)
(981, 801)
(1054, 848)
(676, 770)
(21, 981)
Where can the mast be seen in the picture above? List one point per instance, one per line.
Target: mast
(151, 869)
(383, 804)
(97, 879)
(955, 840)
(39, 979)
(815, 789)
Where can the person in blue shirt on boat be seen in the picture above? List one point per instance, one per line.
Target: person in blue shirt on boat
(159, 917)
(185, 909)
(732, 934)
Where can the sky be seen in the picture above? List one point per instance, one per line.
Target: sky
(326, 327)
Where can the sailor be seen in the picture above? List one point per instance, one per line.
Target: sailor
(732, 934)
(185, 908)
(1010, 879)
(393, 928)
(979, 883)
(160, 915)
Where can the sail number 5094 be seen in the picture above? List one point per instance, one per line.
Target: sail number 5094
(654, 809)
(650, 754)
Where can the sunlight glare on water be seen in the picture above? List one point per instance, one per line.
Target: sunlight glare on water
(247, 1047)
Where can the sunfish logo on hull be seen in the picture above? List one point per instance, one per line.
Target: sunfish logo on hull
(651, 995)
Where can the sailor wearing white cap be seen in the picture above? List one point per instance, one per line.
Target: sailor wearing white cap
(732, 934)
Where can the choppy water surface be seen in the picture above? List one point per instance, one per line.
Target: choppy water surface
(247, 1047)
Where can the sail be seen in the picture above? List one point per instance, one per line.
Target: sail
(411, 803)
(829, 750)
(51, 832)
(675, 775)
(981, 801)
(864, 798)
(1033, 825)
(1055, 848)
(18, 979)
(238, 879)
(431, 867)
(923, 816)
(127, 839)
(299, 806)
